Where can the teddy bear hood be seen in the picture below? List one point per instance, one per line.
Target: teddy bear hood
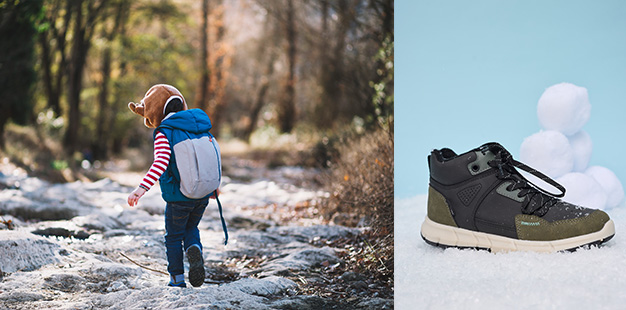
(153, 104)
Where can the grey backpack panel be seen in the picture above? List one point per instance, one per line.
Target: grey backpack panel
(199, 166)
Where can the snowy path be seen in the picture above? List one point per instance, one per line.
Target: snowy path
(259, 269)
(427, 277)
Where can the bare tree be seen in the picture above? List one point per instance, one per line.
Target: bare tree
(53, 81)
(265, 77)
(219, 63)
(100, 145)
(203, 89)
(85, 19)
(287, 105)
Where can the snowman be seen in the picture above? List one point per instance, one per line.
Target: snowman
(562, 150)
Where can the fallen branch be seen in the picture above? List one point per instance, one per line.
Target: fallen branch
(8, 223)
(142, 266)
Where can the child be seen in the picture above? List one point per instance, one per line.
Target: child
(163, 105)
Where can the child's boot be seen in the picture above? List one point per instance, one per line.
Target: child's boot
(177, 280)
(196, 265)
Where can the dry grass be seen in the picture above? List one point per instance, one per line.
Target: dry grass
(361, 180)
(361, 187)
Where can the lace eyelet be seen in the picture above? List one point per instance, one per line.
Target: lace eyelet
(475, 168)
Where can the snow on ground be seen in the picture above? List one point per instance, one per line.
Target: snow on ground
(428, 277)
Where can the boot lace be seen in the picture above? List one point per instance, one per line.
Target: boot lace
(539, 200)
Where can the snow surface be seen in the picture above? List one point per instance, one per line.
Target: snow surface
(428, 277)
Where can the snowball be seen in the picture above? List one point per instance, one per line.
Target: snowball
(564, 107)
(549, 152)
(609, 182)
(581, 145)
(583, 190)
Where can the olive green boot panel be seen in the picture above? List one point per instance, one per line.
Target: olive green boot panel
(532, 227)
(438, 210)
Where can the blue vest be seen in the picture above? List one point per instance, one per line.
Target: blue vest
(170, 179)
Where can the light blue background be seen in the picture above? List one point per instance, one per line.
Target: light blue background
(470, 72)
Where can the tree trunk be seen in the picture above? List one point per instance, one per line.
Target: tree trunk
(332, 100)
(46, 64)
(216, 93)
(53, 81)
(116, 145)
(287, 111)
(103, 132)
(74, 83)
(102, 128)
(3, 122)
(80, 47)
(260, 99)
(203, 89)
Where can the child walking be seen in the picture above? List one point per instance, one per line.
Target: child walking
(164, 109)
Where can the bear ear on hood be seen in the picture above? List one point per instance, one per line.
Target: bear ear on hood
(137, 108)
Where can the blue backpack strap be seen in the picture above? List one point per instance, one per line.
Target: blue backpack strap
(219, 206)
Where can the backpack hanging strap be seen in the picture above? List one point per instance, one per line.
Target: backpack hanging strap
(219, 206)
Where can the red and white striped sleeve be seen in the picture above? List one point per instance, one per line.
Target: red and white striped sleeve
(162, 154)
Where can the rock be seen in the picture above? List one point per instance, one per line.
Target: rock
(240, 222)
(65, 282)
(53, 231)
(359, 285)
(61, 232)
(114, 271)
(116, 233)
(298, 259)
(81, 235)
(304, 302)
(375, 304)
(261, 239)
(25, 251)
(322, 231)
(261, 287)
(20, 295)
(116, 286)
(97, 222)
(350, 276)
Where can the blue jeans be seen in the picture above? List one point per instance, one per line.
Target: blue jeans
(181, 230)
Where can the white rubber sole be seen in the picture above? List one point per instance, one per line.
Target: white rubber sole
(449, 236)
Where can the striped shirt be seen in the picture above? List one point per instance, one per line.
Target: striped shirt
(162, 154)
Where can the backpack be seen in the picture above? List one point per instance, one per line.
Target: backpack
(199, 165)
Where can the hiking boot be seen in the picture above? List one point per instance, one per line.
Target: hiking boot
(181, 284)
(196, 266)
(480, 200)
(177, 281)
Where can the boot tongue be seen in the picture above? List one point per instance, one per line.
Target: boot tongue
(492, 147)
